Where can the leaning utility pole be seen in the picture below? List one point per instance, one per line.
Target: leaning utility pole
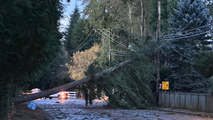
(26, 98)
(158, 53)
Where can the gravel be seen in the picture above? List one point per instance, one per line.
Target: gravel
(76, 110)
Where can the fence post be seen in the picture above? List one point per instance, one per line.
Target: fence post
(165, 98)
(206, 102)
(185, 99)
(198, 103)
(192, 105)
(169, 99)
(180, 101)
(175, 99)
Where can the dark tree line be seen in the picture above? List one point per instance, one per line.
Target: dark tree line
(29, 41)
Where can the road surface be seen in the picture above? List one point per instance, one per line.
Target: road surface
(75, 109)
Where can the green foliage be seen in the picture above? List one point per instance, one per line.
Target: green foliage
(180, 53)
(153, 16)
(82, 38)
(78, 37)
(29, 40)
(127, 87)
(123, 17)
(51, 76)
(69, 36)
(7, 91)
(96, 14)
(139, 17)
(171, 6)
(203, 64)
(189, 14)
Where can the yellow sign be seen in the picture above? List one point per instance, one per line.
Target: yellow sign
(165, 85)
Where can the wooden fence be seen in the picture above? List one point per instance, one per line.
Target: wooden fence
(72, 94)
(192, 101)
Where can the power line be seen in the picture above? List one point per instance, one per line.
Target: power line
(111, 33)
(118, 51)
(86, 42)
(178, 35)
(193, 20)
(115, 35)
(186, 31)
(175, 50)
(116, 54)
(184, 37)
(118, 37)
(112, 39)
(186, 34)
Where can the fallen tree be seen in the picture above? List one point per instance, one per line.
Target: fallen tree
(22, 99)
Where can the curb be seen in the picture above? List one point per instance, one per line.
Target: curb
(185, 112)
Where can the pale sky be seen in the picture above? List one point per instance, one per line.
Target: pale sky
(69, 9)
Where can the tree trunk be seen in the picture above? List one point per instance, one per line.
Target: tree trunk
(142, 19)
(130, 16)
(22, 99)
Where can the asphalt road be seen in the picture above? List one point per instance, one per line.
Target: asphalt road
(75, 109)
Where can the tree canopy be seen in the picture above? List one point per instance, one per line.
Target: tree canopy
(29, 40)
(180, 53)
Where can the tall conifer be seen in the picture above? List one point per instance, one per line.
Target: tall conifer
(188, 15)
(69, 36)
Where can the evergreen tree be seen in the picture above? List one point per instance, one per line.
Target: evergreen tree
(203, 64)
(51, 77)
(210, 6)
(122, 17)
(82, 37)
(69, 44)
(180, 53)
(127, 87)
(29, 41)
(172, 4)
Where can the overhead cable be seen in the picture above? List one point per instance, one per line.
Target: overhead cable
(112, 39)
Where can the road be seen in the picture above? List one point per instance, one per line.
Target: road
(75, 109)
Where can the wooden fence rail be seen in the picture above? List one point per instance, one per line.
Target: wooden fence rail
(193, 101)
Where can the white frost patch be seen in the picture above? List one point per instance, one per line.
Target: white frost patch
(74, 109)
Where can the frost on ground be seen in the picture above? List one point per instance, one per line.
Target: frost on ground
(76, 110)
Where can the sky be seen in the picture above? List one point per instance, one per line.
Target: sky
(68, 10)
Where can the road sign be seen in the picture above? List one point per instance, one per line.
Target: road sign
(165, 85)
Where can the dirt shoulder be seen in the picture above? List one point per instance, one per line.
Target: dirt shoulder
(22, 112)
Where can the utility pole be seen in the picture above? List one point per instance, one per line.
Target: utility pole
(158, 53)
